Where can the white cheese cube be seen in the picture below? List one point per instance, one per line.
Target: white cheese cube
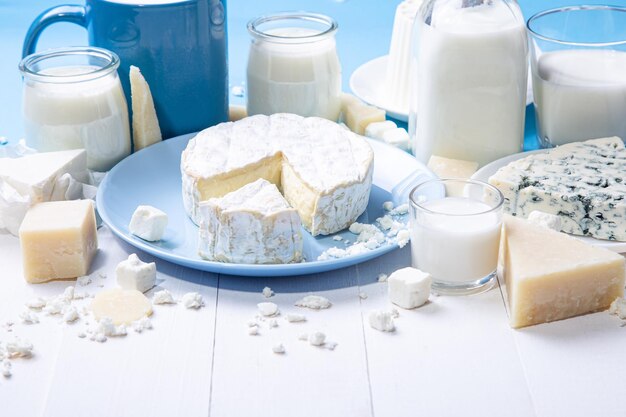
(547, 220)
(148, 223)
(409, 287)
(377, 129)
(58, 240)
(398, 137)
(133, 274)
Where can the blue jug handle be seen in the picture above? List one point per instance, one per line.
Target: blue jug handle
(72, 13)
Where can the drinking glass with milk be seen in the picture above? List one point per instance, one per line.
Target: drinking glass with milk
(72, 98)
(455, 234)
(578, 61)
(470, 76)
(293, 66)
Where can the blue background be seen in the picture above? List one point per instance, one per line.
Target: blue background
(364, 33)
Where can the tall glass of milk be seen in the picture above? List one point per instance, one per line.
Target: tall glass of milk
(578, 61)
(455, 233)
(293, 66)
(72, 98)
(470, 70)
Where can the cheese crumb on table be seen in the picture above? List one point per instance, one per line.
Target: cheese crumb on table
(409, 287)
(70, 314)
(273, 323)
(267, 309)
(618, 308)
(278, 348)
(253, 330)
(362, 295)
(148, 223)
(28, 317)
(316, 338)
(382, 320)
(134, 274)
(295, 318)
(163, 297)
(19, 348)
(192, 300)
(36, 303)
(382, 277)
(142, 324)
(314, 302)
(84, 280)
(267, 292)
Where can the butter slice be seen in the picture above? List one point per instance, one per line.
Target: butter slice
(146, 130)
(551, 276)
(58, 240)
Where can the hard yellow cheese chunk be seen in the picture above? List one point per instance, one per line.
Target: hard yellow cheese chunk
(358, 116)
(146, 130)
(121, 306)
(552, 276)
(58, 240)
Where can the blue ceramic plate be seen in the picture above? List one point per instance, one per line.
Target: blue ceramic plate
(152, 176)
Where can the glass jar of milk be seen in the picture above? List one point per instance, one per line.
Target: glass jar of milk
(293, 66)
(469, 79)
(72, 98)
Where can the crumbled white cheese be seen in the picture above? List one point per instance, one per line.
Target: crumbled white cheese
(337, 238)
(163, 297)
(388, 205)
(28, 317)
(382, 277)
(79, 295)
(386, 222)
(367, 233)
(314, 302)
(192, 300)
(278, 348)
(362, 295)
(142, 324)
(303, 336)
(382, 320)
(295, 318)
(268, 309)
(618, 308)
(253, 330)
(102, 275)
(36, 303)
(549, 221)
(55, 305)
(317, 338)
(267, 292)
(18, 349)
(6, 368)
(68, 294)
(400, 210)
(272, 323)
(403, 238)
(395, 313)
(82, 334)
(105, 328)
(70, 314)
(83, 281)
(330, 345)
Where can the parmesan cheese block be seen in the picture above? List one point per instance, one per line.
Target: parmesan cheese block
(146, 130)
(58, 240)
(252, 225)
(323, 170)
(552, 276)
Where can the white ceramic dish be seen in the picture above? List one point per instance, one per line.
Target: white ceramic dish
(367, 82)
(488, 170)
(152, 176)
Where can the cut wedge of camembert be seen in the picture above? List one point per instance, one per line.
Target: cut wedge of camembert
(323, 170)
(252, 225)
(552, 276)
(584, 183)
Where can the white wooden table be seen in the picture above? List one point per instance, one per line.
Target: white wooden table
(456, 356)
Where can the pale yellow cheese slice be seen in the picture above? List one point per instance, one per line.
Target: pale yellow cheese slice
(358, 116)
(452, 168)
(121, 306)
(552, 276)
(146, 130)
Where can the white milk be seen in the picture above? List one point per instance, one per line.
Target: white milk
(579, 95)
(89, 114)
(301, 78)
(472, 72)
(456, 249)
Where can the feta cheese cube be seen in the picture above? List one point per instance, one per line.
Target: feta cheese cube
(148, 223)
(398, 137)
(409, 287)
(377, 129)
(133, 274)
(382, 321)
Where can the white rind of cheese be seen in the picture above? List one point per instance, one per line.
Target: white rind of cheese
(323, 170)
(552, 276)
(146, 130)
(252, 225)
(32, 179)
(134, 274)
(148, 223)
(584, 183)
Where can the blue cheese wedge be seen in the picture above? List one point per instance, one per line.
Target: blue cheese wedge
(584, 183)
